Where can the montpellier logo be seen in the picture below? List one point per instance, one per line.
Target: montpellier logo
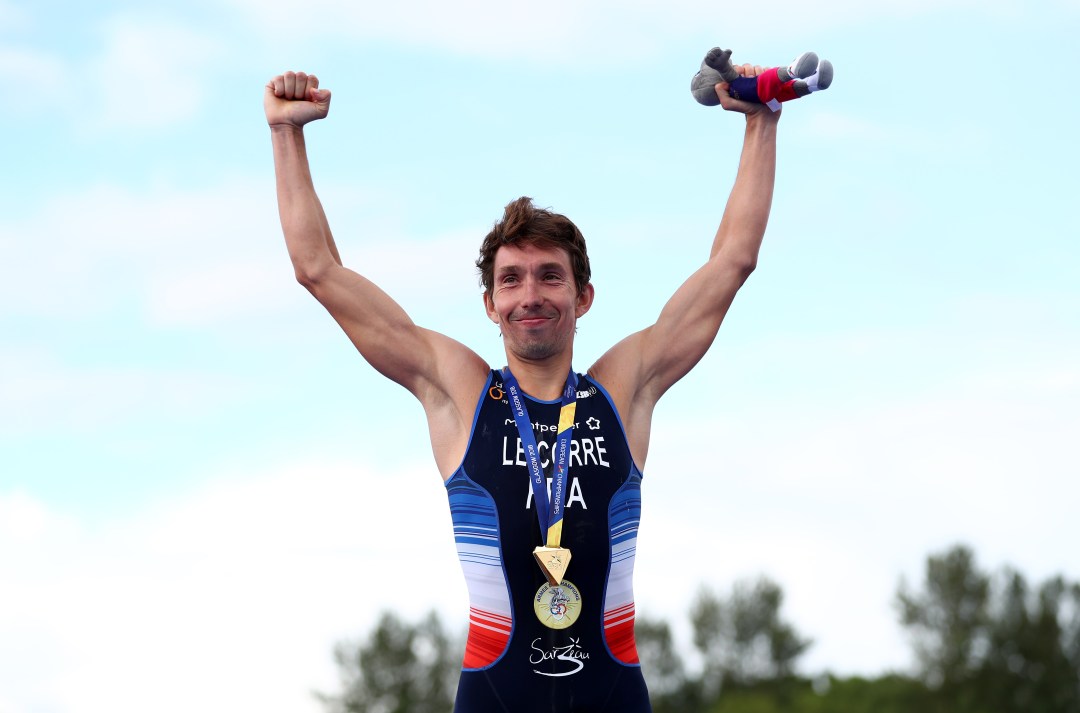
(593, 423)
(572, 654)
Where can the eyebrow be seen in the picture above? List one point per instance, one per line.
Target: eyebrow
(540, 268)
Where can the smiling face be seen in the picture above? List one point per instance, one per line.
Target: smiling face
(535, 301)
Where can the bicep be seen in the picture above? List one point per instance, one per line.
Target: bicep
(647, 363)
(384, 334)
(686, 328)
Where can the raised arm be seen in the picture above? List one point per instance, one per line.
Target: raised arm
(291, 101)
(443, 374)
(638, 370)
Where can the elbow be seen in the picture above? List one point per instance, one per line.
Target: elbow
(744, 266)
(739, 266)
(738, 259)
(309, 271)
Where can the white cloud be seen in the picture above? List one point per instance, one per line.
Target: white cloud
(207, 256)
(604, 32)
(42, 394)
(153, 73)
(944, 144)
(13, 17)
(210, 262)
(149, 73)
(43, 78)
(218, 292)
(140, 263)
(105, 246)
(230, 597)
(24, 521)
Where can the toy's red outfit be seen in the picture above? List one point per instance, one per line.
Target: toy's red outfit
(766, 88)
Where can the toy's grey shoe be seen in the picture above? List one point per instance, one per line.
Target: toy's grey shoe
(821, 79)
(824, 74)
(802, 67)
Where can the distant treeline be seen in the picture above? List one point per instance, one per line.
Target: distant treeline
(984, 642)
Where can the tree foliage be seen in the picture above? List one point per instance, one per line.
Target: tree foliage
(743, 637)
(671, 690)
(948, 619)
(400, 668)
(998, 644)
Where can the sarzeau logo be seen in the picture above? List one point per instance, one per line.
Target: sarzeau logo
(572, 654)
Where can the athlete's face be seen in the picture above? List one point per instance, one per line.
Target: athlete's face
(535, 301)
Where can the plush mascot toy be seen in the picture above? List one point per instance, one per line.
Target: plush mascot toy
(778, 84)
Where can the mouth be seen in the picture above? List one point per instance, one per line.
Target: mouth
(532, 320)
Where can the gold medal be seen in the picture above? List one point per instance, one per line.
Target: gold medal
(553, 562)
(557, 607)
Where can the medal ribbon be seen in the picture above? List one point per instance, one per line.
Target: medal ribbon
(549, 514)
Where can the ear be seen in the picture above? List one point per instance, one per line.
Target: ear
(489, 307)
(585, 300)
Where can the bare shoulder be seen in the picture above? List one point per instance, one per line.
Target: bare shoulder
(449, 395)
(455, 373)
(623, 373)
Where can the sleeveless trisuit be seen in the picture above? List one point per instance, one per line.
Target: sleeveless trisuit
(513, 662)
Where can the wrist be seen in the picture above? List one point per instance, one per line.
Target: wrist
(286, 128)
(762, 123)
(764, 116)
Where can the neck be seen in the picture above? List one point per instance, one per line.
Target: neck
(542, 380)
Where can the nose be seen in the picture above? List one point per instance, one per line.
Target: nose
(531, 296)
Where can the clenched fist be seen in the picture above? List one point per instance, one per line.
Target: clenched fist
(294, 99)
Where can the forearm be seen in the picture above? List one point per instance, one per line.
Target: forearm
(747, 213)
(307, 232)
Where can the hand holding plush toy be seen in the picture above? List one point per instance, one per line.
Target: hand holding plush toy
(779, 84)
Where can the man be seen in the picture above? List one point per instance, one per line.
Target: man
(542, 466)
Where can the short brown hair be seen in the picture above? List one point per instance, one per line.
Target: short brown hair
(525, 224)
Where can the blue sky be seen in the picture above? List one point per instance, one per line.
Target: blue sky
(203, 487)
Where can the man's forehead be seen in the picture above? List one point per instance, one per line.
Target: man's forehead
(511, 257)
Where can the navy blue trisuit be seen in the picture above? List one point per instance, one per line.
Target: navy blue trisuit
(533, 648)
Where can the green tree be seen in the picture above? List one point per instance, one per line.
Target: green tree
(400, 668)
(743, 639)
(994, 644)
(1031, 665)
(948, 620)
(670, 690)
